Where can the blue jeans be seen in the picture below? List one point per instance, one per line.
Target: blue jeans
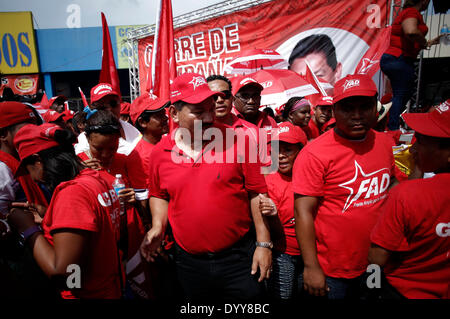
(341, 288)
(400, 72)
(286, 280)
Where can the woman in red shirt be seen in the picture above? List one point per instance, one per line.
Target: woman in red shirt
(407, 39)
(76, 246)
(298, 112)
(286, 279)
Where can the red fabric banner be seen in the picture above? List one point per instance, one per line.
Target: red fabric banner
(206, 47)
(20, 84)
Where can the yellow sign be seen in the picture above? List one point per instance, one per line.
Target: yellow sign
(123, 51)
(17, 44)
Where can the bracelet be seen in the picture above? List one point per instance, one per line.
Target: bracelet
(30, 231)
(266, 244)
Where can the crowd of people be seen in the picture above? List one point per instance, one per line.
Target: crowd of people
(221, 200)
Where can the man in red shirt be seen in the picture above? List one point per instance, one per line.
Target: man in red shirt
(340, 181)
(321, 114)
(412, 237)
(212, 205)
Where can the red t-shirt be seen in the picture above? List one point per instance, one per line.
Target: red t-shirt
(313, 130)
(280, 191)
(415, 225)
(144, 149)
(400, 44)
(87, 203)
(351, 179)
(209, 208)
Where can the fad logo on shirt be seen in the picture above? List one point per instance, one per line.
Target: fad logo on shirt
(350, 83)
(365, 189)
(443, 229)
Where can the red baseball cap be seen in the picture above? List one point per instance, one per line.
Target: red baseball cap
(101, 90)
(324, 101)
(58, 97)
(52, 116)
(32, 139)
(239, 82)
(12, 113)
(289, 133)
(125, 108)
(68, 115)
(146, 102)
(191, 88)
(354, 85)
(436, 123)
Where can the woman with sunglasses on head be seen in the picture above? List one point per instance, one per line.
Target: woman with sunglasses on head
(76, 246)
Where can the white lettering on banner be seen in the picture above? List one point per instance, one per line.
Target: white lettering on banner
(148, 55)
(443, 229)
(373, 20)
(374, 184)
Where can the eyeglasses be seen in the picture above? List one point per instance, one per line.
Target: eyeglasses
(227, 94)
(245, 97)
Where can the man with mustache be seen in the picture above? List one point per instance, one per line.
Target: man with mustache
(340, 181)
(221, 239)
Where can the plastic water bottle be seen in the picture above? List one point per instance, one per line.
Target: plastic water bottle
(445, 39)
(118, 185)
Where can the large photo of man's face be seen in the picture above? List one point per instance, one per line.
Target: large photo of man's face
(320, 52)
(330, 52)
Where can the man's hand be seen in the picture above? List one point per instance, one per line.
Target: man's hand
(152, 244)
(314, 281)
(93, 163)
(36, 209)
(262, 260)
(20, 219)
(128, 195)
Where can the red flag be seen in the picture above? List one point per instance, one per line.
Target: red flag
(83, 98)
(370, 62)
(163, 70)
(44, 101)
(313, 80)
(108, 74)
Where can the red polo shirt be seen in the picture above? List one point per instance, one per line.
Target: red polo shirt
(144, 149)
(209, 207)
(415, 225)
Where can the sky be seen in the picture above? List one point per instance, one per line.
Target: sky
(51, 14)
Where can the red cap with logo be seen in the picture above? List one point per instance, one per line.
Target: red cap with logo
(435, 123)
(324, 101)
(289, 133)
(191, 88)
(354, 85)
(145, 102)
(101, 90)
(12, 113)
(240, 81)
(52, 116)
(32, 139)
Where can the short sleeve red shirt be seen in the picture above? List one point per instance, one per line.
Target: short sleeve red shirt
(280, 191)
(415, 225)
(351, 178)
(400, 44)
(209, 207)
(87, 203)
(313, 130)
(144, 149)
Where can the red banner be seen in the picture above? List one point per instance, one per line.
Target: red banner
(20, 84)
(205, 47)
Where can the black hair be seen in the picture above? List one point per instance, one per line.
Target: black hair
(313, 44)
(289, 104)
(179, 105)
(219, 77)
(103, 122)
(60, 162)
(78, 118)
(269, 111)
(410, 3)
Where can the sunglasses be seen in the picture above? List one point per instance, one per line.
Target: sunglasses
(227, 94)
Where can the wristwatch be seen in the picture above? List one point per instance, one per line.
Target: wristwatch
(264, 244)
(30, 231)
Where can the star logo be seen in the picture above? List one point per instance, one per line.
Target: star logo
(367, 65)
(197, 81)
(373, 183)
